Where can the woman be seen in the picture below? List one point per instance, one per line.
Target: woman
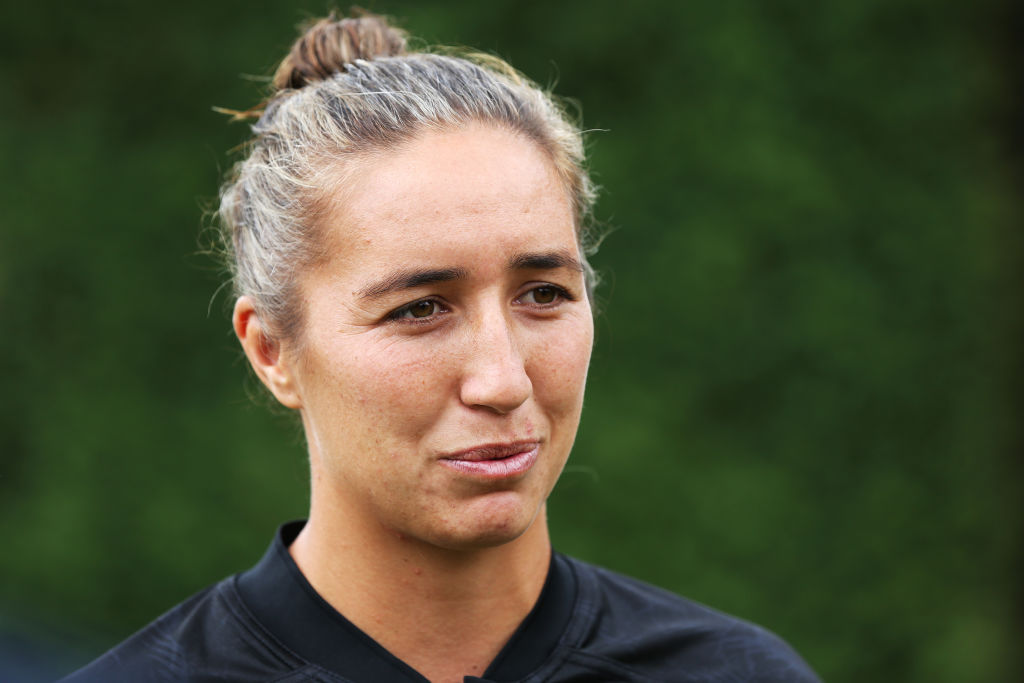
(408, 244)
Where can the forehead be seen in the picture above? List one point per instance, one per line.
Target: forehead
(452, 194)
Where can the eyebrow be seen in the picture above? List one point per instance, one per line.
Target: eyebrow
(408, 279)
(548, 260)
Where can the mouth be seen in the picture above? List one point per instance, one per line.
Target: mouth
(494, 461)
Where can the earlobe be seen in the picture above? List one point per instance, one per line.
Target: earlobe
(264, 353)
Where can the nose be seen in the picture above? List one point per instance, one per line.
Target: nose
(495, 376)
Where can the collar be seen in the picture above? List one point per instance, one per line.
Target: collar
(285, 603)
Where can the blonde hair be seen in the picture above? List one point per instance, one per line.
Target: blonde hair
(347, 88)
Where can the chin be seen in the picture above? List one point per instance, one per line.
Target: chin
(498, 523)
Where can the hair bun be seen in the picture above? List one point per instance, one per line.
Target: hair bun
(329, 45)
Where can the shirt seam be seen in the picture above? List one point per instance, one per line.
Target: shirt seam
(583, 613)
(591, 661)
(579, 623)
(236, 605)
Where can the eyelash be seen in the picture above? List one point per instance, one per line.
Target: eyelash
(561, 294)
(400, 314)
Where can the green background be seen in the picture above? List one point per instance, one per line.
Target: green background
(803, 401)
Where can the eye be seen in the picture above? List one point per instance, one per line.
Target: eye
(545, 295)
(424, 309)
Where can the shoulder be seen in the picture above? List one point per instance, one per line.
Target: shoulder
(197, 640)
(662, 636)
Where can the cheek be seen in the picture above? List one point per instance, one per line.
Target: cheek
(390, 390)
(560, 364)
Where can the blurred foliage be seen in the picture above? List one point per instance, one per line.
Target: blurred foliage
(803, 401)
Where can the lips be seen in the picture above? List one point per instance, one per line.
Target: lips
(494, 461)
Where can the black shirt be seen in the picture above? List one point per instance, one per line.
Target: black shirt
(589, 624)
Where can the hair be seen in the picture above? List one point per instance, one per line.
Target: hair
(349, 88)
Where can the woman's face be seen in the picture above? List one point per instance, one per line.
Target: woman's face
(447, 337)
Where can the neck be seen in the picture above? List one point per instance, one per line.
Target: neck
(446, 613)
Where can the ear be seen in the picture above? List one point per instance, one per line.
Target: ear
(264, 354)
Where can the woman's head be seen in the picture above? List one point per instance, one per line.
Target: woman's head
(412, 281)
(349, 92)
